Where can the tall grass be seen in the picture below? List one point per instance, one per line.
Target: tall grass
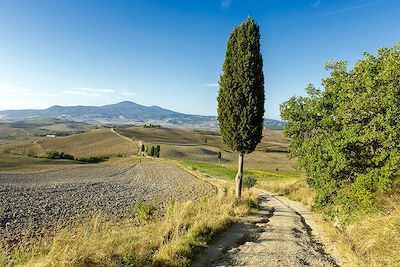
(170, 241)
(376, 238)
(297, 190)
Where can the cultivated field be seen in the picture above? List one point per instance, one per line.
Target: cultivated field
(34, 204)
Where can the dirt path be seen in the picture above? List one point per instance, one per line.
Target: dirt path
(136, 142)
(39, 147)
(281, 233)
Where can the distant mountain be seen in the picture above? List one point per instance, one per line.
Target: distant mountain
(121, 113)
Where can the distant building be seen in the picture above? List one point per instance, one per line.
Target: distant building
(51, 135)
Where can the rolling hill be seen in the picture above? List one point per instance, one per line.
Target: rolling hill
(122, 113)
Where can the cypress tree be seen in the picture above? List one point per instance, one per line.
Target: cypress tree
(157, 153)
(241, 94)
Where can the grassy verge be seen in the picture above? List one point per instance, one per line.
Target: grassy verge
(170, 241)
(371, 240)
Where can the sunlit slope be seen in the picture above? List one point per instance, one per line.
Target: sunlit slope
(95, 143)
(187, 145)
(272, 140)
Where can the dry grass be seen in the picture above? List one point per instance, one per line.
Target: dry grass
(22, 148)
(8, 132)
(186, 145)
(273, 141)
(297, 190)
(171, 136)
(18, 164)
(376, 238)
(95, 143)
(170, 241)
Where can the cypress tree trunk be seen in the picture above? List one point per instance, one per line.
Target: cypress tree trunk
(239, 177)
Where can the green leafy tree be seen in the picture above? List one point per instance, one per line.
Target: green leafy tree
(347, 137)
(241, 94)
(152, 150)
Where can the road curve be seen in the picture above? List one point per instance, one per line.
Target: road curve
(137, 143)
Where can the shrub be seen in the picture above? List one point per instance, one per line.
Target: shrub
(57, 155)
(66, 156)
(51, 155)
(93, 159)
(249, 181)
(29, 153)
(145, 212)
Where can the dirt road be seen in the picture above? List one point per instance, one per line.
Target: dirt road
(282, 233)
(136, 142)
(39, 147)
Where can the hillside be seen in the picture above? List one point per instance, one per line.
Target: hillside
(121, 113)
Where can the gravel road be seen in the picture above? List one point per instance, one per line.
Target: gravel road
(31, 204)
(282, 233)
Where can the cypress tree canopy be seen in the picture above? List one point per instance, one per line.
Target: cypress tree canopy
(241, 93)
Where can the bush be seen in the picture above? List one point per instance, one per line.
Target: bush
(145, 212)
(57, 155)
(93, 159)
(51, 155)
(29, 153)
(249, 181)
(66, 156)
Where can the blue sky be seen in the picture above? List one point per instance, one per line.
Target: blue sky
(170, 53)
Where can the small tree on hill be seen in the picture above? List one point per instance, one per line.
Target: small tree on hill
(219, 156)
(152, 151)
(241, 94)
